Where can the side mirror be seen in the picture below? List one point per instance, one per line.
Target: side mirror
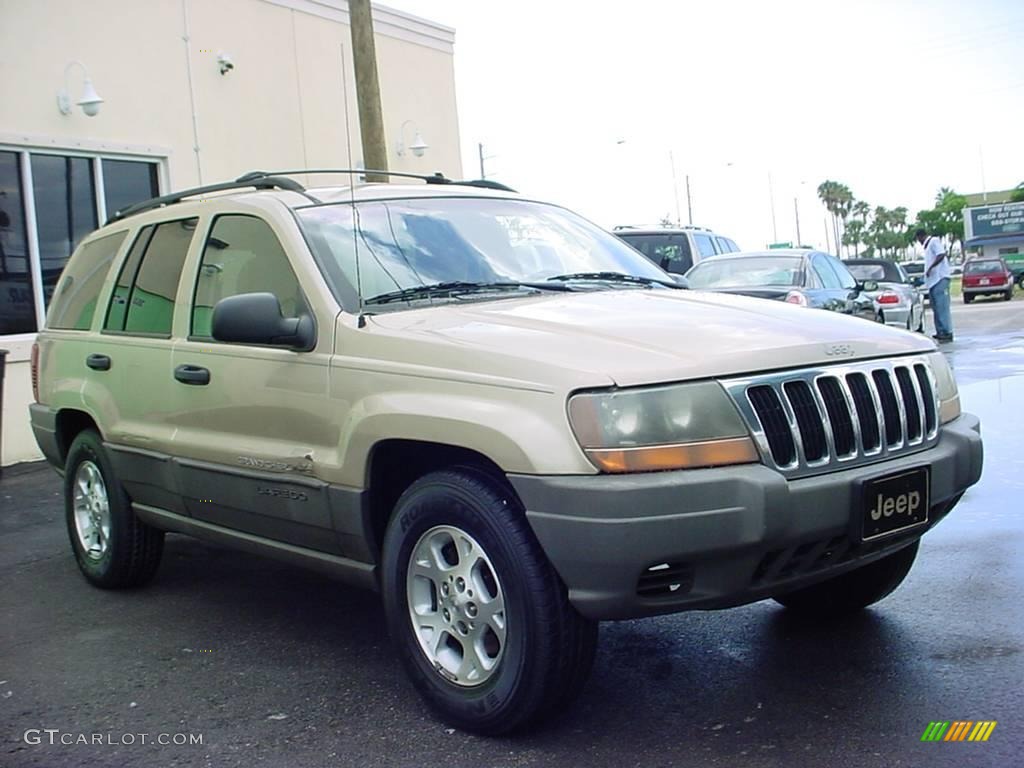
(683, 282)
(255, 318)
(867, 286)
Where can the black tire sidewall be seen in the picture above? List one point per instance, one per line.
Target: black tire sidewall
(418, 511)
(89, 447)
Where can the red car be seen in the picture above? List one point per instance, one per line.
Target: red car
(983, 277)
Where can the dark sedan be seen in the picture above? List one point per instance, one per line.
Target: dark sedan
(805, 278)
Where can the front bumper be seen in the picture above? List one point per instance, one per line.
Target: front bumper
(724, 536)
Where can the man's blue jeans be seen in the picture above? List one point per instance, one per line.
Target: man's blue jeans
(939, 295)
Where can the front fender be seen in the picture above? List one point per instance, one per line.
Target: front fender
(521, 432)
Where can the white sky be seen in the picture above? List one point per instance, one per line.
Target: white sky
(894, 99)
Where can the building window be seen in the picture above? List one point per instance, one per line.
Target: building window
(65, 199)
(63, 191)
(17, 303)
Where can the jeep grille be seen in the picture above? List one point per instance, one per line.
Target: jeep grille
(816, 420)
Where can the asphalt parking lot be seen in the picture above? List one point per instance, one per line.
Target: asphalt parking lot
(276, 666)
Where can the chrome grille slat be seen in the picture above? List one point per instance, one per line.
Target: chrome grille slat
(889, 391)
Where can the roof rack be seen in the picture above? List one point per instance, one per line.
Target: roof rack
(435, 178)
(260, 182)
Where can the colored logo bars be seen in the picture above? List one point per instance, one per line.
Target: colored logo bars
(959, 730)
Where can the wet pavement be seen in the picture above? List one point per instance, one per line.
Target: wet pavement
(276, 666)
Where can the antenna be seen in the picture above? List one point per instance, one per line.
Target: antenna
(360, 317)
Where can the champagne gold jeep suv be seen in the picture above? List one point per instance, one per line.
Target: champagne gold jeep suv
(504, 419)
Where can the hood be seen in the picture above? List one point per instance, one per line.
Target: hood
(633, 336)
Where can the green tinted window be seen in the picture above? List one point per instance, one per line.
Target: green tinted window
(151, 304)
(118, 307)
(242, 255)
(74, 302)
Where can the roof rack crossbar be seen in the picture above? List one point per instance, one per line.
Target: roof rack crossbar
(261, 182)
(435, 178)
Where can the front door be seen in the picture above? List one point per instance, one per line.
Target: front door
(253, 421)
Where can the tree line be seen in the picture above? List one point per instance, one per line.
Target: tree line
(888, 232)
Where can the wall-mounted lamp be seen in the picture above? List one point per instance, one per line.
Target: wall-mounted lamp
(418, 146)
(90, 101)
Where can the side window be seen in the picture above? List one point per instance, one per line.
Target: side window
(118, 307)
(704, 245)
(74, 302)
(846, 280)
(243, 255)
(145, 304)
(733, 248)
(723, 245)
(825, 273)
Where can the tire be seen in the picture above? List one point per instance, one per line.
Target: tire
(114, 549)
(1020, 282)
(545, 649)
(968, 298)
(854, 590)
(1008, 296)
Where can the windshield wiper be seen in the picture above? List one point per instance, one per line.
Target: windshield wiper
(459, 286)
(618, 277)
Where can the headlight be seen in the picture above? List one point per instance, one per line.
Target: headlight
(945, 385)
(657, 428)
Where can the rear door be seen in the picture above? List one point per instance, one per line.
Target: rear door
(253, 422)
(136, 342)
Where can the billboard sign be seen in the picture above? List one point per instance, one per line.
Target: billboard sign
(994, 220)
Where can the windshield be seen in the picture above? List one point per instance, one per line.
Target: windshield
(746, 272)
(409, 243)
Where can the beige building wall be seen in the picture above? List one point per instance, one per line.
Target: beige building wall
(286, 104)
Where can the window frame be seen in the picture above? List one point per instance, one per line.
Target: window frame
(94, 151)
(210, 226)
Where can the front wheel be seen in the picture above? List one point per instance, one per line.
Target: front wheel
(479, 616)
(112, 546)
(855, 590)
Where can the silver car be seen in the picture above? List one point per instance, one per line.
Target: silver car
(897, 301)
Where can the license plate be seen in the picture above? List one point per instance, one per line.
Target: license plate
(983, 281)
(894, 503)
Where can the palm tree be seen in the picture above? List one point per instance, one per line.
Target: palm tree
(829, 193)
(844, 204)
(862, 208)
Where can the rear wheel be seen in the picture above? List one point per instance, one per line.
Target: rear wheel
(112, 546)
(482, 622)
(1008, 296)
(968, 298)
(855, 590)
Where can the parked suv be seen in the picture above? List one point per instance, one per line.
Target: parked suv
(490, 410)
(676, 250)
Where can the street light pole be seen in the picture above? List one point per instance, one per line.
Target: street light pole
(689, 203)
(675, 187)
(796, 212)
(480, 149)
(771, 200)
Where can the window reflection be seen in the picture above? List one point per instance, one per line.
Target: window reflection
(65, 210)
(17, 303)
(126, 182)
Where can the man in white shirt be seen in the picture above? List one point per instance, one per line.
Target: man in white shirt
(936, 280)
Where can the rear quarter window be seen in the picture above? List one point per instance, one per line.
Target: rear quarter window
(74, 302)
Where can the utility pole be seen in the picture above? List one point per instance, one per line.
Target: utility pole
(796, 211)
(675, 187)
(364, 56)
(771, 201)
(827, 248)
(480, 149)
(689, 204)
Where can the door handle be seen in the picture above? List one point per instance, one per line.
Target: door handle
(98, 362)
(192, 374)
